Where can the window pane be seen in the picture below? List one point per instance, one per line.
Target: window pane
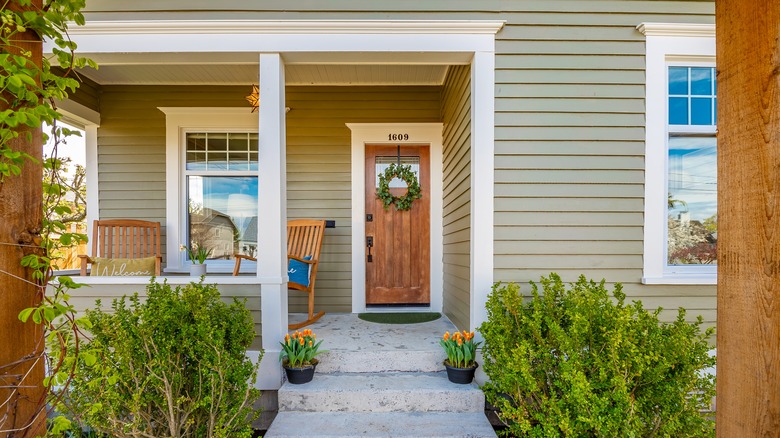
(701, 111)
(223, 215)
(238, 160)
(678, 80)
(196, 161)
(238, 141)
(196, 142)
(382, 163)
(215, 151)
(692, 205)
(701, 81)
(678, 110)
(217, 160)
(217, 141)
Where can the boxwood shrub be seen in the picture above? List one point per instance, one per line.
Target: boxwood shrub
(172, 365)
(574, 361)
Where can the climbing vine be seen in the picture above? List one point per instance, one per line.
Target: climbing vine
(403, 172)
(30, 85)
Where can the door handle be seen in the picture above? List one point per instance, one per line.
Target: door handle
(370, 244)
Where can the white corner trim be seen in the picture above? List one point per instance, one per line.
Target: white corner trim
(677, 29)
(305, 27)
(176, 120)
(482, 184)
(376, 133)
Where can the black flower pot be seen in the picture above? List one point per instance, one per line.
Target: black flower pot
(460, 375)
(296, 376)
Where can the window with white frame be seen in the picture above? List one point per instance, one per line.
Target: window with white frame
(680, 234)
(221, 179)
(692, 178)
(211, 185)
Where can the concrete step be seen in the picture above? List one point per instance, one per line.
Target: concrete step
(381, 392)
(391, 424)
(377, 361)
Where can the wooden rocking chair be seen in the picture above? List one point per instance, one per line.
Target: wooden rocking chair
(304, 242)
(125, 239)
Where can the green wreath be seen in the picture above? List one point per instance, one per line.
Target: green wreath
(404, 173)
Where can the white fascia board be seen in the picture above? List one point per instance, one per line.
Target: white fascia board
(287, 36)
(243, 27)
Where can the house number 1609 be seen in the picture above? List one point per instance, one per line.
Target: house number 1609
(396, 137)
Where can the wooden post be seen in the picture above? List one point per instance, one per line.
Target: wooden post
(748, 371)
(21, 345)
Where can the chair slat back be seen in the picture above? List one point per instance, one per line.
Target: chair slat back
(125, 238)
(304, 237)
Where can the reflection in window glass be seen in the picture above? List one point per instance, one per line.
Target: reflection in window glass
(223, 214)
(692, 180)
(221, 151)
(692, 96)
(222, 192)
(692, 203)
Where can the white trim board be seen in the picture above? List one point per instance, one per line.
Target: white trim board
(376, 133)
(444, 37)
(304, 27)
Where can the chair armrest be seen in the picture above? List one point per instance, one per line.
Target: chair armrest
(240, 257)
(84, 261)
(302, 260)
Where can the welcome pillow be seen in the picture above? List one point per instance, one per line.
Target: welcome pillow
(299, 271)
(106, 267)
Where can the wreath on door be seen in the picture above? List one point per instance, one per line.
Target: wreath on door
(404, 173)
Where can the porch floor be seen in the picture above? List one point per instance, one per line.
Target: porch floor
(380, 380)
(345, 331)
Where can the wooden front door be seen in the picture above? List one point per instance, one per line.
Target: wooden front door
(398, 268)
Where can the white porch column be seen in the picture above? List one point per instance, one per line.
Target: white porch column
(482, 176)
(272, 217)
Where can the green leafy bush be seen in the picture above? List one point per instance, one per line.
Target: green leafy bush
(574, 362)
(174, 366)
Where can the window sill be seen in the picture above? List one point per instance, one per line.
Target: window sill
(692, 279)
(218, 279)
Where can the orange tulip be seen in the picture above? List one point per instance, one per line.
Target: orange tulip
(311, 343)
(302, 341)
(460, 342)
(446, 336)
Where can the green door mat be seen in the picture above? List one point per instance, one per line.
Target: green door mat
(400, 318)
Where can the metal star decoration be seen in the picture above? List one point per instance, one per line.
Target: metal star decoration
(254, 98)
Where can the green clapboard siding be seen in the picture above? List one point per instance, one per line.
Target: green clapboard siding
(131, 157)
(456, 116)
(569, 193)
(319, 168)
(569, 136)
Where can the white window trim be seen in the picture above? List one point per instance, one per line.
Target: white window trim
(178, 121)
(87, 119)
(667, 44)
(376, 133)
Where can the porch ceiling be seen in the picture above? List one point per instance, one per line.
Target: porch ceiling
(242, 69)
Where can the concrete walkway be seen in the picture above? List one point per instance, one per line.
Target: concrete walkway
(380, 380)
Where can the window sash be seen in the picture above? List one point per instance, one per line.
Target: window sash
(688, 130)
(186, 173)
